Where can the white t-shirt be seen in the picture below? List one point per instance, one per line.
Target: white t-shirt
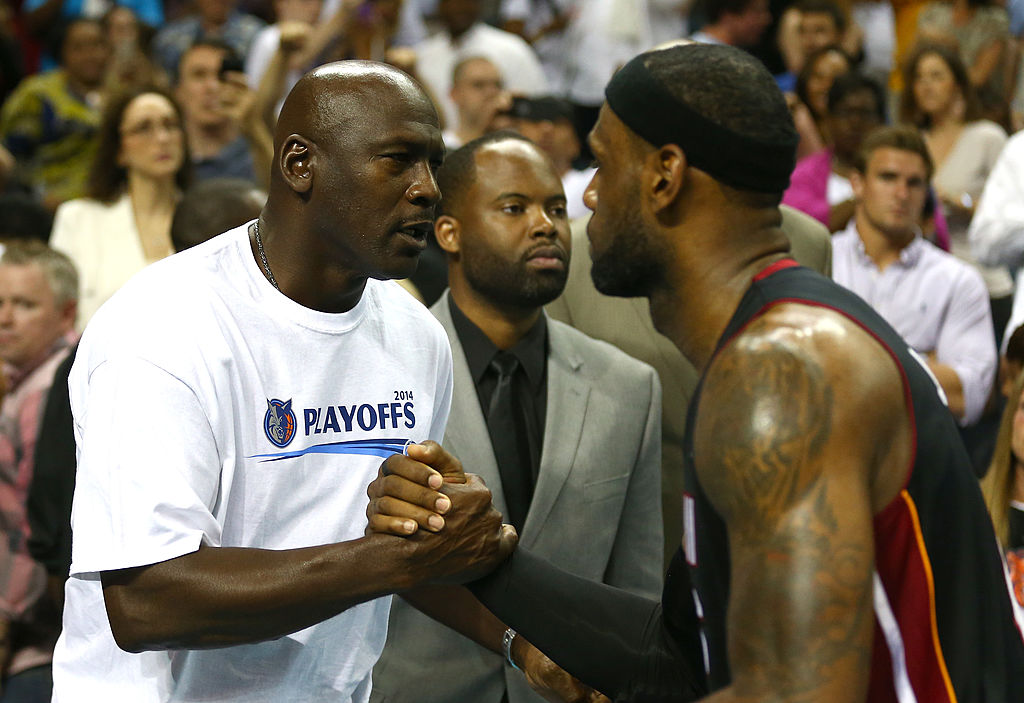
(211, 409)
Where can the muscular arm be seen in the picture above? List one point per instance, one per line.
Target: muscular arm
(786, 456)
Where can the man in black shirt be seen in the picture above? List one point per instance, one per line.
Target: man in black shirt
(836, 540)
(564, 430)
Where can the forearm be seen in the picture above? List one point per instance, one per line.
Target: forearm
(457, 608)
(217, 597)
(611, 640)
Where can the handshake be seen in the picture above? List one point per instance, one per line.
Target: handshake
(454, 533)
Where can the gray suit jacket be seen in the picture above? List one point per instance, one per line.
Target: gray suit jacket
(626, 323)
(596, 509)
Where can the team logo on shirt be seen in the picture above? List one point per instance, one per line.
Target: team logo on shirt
(279, 422)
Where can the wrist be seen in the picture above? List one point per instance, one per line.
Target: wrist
(512, 648)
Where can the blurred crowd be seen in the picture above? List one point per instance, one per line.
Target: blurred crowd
(130, 129)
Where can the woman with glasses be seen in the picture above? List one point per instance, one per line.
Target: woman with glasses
(140, 170)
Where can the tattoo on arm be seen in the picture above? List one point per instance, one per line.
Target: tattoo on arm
(800, 605)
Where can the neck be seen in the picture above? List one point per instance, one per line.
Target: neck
(709, 277)
(945, 121)
(720, 32)
(302, 269)
(503, 325)
(207, 140)
(152, 195)
(883, 248)
(78, 87)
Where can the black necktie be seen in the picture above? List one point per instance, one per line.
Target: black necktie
(506, 423)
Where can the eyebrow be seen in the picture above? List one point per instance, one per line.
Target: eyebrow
(550, 198)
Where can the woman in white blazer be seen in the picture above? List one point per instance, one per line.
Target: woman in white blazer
(140, 170)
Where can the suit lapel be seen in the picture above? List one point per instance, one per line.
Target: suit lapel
(567, 397)
(466, 434)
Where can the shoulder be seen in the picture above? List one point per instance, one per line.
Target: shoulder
(599, 359)
(486, 35)
(986, 130)
(962, 277)
(397, 307)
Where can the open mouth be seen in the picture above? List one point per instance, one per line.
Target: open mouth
(417, 232)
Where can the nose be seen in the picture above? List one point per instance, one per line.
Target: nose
(542, 223)
(423, 192)
(590, 194)
(6, 314)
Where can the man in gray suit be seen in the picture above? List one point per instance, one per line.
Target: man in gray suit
(587, 430)
(626, 323)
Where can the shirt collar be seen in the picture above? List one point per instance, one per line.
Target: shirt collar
(530, 351)
(909, 255)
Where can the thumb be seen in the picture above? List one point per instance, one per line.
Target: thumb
(438, 458)
(508, 541)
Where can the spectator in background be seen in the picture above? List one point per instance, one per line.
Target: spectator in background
(38, 291)
(733, 22)
(936, 302)
(939, 100)
(478, 94)
(820, 184)
(227, 135)
(136, 179)
(49, 123)
(996, 233)
(547, 122)
(278, 43)
(980, 31)
(130, 66)
(24, 217)
(214, 18)
(206, 210)
(40, 15)
(543, 23)
(812, 86)
(463, 34)
(808, 26)
(1003, 485)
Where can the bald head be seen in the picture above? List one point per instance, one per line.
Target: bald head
(334, 95)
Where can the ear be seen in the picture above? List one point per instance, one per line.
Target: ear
(447, 232)
(296, 163)
(857, 183)
(665, 175)
(68, 315)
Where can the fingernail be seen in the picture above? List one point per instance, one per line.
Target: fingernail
(409, 526)
(435, 521)
(435, 481)
(442, 505)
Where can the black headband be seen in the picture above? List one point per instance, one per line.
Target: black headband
(652, 112)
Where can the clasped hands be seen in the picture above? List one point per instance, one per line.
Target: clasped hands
(457, 536)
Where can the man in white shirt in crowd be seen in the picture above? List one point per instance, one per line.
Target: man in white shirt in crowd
(935, 301)
(479, 95)
(232, 403)
(463, 34)
(996, 233)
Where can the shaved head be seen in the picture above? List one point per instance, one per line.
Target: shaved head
(356, 149)
(334, 96)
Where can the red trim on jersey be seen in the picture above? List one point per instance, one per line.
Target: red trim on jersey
(779, 265)
(903, 566)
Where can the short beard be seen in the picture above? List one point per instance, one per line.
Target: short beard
(509, 285)
(629, 267)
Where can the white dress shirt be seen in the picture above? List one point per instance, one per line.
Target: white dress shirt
(935, 301)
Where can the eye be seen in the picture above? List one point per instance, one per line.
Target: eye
(559, 211)
(512, 208)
